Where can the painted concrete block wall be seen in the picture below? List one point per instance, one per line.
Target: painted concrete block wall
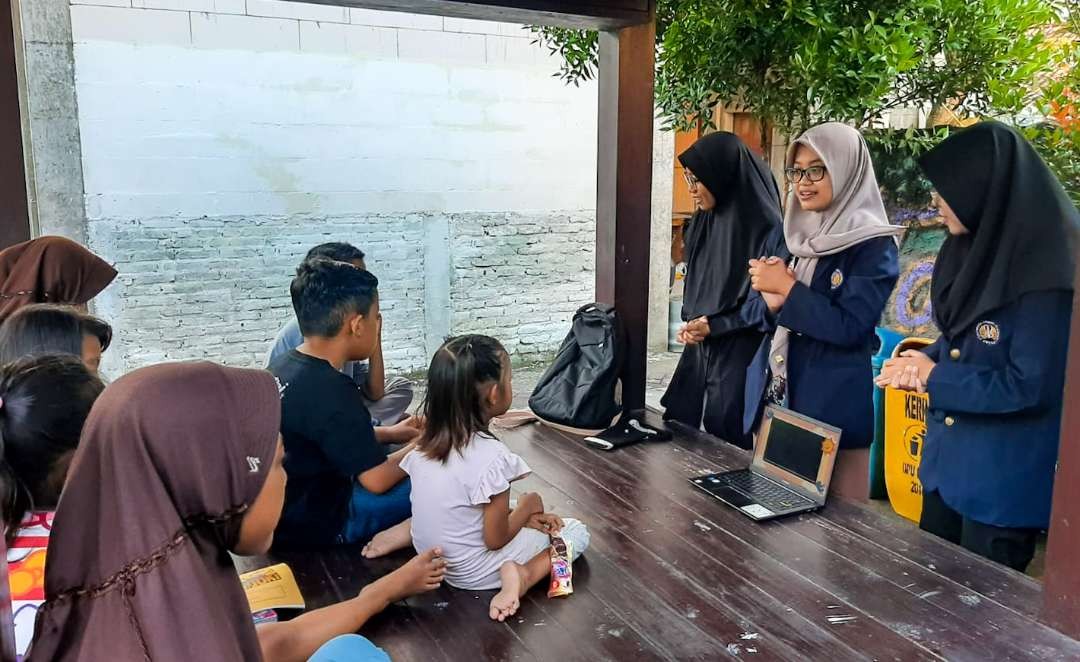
(217, 287)
(223, 138)
(520, 277)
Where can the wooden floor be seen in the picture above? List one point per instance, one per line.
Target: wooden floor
(674, 575)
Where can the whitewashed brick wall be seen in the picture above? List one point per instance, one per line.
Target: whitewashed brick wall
(217, 287)
(520, 277)
(223, 138)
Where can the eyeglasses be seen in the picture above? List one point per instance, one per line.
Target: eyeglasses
(691, 180)
(812, 174)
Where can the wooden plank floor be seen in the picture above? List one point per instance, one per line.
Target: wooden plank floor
(674, 575)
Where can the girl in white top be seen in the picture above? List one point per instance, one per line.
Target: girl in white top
(461, 477)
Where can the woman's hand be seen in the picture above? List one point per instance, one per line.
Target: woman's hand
(774, 302)
(694, 331)
(908, 372)
(548, 523)
(771, 276)
(698, 327)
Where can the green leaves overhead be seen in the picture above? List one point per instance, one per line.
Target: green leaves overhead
(794, 63)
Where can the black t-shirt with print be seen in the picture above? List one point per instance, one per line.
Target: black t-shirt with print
(329, 441)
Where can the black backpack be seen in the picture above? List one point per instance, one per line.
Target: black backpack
(580, 388)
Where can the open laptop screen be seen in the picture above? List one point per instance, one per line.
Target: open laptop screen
(794, 449)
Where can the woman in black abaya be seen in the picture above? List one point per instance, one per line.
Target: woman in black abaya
(738, 219)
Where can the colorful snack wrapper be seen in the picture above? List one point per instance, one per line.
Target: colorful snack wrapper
(561, 571)
(265, 616)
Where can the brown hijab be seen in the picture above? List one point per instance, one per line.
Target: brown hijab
(50, 270)
(171, 457)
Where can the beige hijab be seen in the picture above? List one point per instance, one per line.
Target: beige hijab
(855, 215)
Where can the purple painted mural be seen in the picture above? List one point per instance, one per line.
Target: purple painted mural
(909, 310)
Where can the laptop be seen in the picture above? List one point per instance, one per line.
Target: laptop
(790, 473)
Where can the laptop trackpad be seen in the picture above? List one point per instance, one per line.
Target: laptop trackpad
(743, 503)
(732, 496)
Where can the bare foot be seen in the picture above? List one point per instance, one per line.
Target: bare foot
(396, 537)
(506, 602)
(423, 573)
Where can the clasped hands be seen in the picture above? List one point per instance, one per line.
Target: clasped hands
(773, 279)
(770, 276)
(908, 372)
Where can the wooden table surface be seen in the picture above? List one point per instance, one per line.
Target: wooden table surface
(672, 574)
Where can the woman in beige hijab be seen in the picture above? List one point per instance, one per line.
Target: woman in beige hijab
(822, 306)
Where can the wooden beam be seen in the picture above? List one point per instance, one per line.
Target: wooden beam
(624, 191)
(591, 14)
(14, 210)
(1061, 588)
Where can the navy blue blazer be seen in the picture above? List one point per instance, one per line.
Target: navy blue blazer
(994, 417)
(832, 323)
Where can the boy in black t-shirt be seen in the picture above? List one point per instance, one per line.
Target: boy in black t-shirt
(342, 487)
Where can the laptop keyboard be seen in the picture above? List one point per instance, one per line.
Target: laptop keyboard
(769, 494)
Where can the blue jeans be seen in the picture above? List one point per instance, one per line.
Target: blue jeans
(349, 648)
(370, 513)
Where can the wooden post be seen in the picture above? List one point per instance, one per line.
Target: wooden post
(1061, 587)
(624, 191)
(14, 211)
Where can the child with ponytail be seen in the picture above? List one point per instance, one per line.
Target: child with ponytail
(461, 476)
(44, 401)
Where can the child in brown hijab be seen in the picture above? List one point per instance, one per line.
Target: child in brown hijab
(180, 464)
(50, 270)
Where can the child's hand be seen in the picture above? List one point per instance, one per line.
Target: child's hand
(548, 523)
(406, 431)
(532, 503)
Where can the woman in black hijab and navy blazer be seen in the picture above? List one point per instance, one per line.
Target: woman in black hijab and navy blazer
(737, 219)
(1002, 297)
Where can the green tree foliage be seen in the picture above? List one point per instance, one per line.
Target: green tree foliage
(1058, 139)
(793, 63)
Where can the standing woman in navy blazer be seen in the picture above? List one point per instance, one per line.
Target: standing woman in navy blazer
(1002, 297)
(821, 309)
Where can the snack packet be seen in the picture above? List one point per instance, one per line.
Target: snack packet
(561, 571)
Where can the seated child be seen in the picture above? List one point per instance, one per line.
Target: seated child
(386, 400)
(343, 488)
(44, 402)
(45, 328)
(180, 464)
(461, 477)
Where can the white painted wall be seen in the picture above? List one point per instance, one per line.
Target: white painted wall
(221, 138)
(190, 113)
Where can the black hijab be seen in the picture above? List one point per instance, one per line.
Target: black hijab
(721, 241)
(1023, 227)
